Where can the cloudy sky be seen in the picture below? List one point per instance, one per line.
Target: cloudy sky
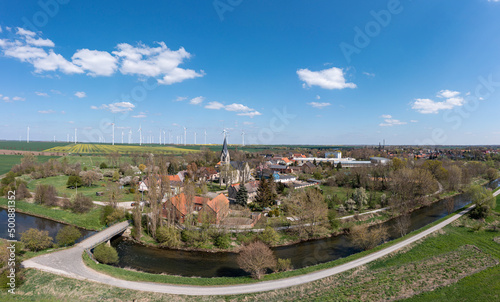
(284, 72)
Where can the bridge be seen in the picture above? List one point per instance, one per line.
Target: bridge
(104, 235)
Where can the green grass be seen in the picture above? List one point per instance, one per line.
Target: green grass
(88, 220)
(31, 146)
(7, 161)
(59, 182)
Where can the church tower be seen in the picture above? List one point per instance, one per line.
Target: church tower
(224, 155)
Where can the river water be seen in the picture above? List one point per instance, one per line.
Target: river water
(205, 264)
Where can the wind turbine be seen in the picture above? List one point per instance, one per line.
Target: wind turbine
(169, 136)
(113, 138)
(122, 137)
(67, 137)
(75, 137)
(160, 137)
(195, 138)
(164, 138)
(185, 135)
(140, 135)
(205, 136)
(242, 138)
(130, 136)
(28, 135)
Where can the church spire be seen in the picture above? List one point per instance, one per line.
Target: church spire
(224, 155)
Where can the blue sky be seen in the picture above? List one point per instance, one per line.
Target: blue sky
(284, 72)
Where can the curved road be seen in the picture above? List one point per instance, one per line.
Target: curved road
(70, 263)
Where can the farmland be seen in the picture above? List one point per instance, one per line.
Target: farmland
(106, 149)
(31, 146)
(7, 161)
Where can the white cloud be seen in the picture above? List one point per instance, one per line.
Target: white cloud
(428, 106)
(248, 123)
(250, 114)
(18, 98)
(318, 97)
(413, 121)
(80, 94)
(332, 78)
(196, 100)
(41, 93)
(55, 91)
(140, 115)
(50, 111)
(6, 99)
(180, 99)
(119, 107)
(242, 110)
(71, 122)
(97, 63)
(389, 121)
(144, 61)
(1, 29)
(319, 105)
(368, 74)
(446, 94)
(214, 105)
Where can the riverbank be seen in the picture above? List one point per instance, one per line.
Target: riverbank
(88, 221)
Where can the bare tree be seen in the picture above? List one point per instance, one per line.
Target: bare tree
(255, 258)
(113, 194)
(310, 208)
(402, 223)
(366, 238)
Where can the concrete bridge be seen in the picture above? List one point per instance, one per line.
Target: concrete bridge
(104, 235)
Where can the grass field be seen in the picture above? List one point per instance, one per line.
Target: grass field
(90, 220)
(31, 146)
(7, 161)
(106, 149)
(59, 182)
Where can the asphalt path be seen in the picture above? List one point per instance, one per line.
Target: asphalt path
(69, 263)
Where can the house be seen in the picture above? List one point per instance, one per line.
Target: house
(207, 173)
(284, 178)
(252, 188)
(215, 210)
(179, 207)
(175, 182)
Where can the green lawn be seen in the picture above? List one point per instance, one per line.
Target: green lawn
(90, 220)
(31, 146)
(7, 161)
(59, 182)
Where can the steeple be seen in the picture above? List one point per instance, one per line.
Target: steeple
(224, 155)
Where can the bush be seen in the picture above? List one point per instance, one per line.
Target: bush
(74, 181)
(116, 215)
(106, 254)
(36, 240)
(269, 236)
(168, 236)
(103, 165)
(366, 238)
(105, 212)
(68, 235)
(332, 219)
(189, 236)
(82, 204)
(283, 265)
(222, 240)
(46, 195)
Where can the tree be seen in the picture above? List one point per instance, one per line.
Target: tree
(402, 223)
(255, 258)
(81, 203)
(168, 236)
(265, 195)
(366, 238)
(360, 197)
(454, 177)
(492, 174)
(74, 181)
(112, 193)
(116, 175)
(269, 236)
(36, 240)
(310, 208)
(22, 191)
(46, 195)
(68, 235)
(90, 177)
(106, 254)
(242, 195)
(483, 200)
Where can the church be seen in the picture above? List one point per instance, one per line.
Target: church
(231, 172)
